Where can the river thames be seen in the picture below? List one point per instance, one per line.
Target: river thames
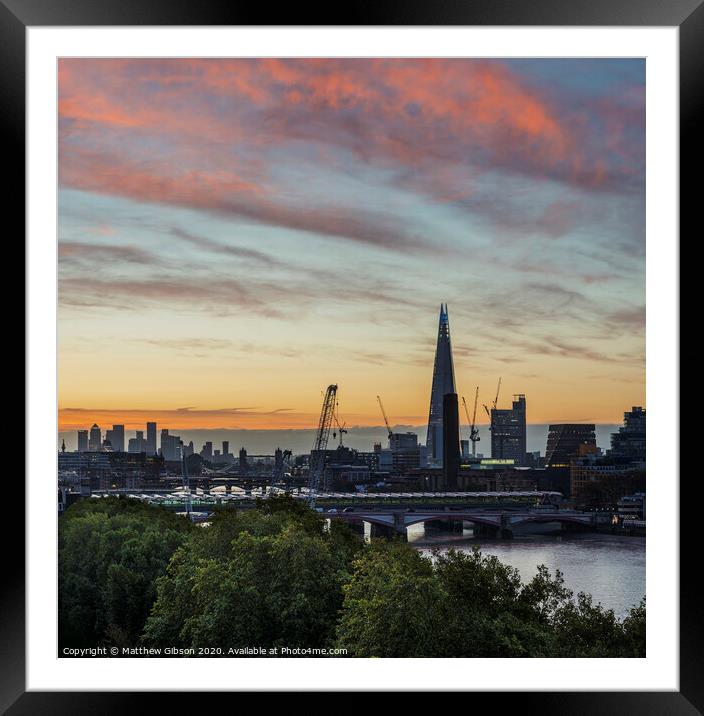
(609, 567)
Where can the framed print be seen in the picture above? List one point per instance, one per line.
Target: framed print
(339, 332)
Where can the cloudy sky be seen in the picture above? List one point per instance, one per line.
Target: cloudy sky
(234, 235)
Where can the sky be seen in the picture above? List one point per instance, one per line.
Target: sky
(235, 235)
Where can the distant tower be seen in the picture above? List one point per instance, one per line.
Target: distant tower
(82, 441)
(451, 440)
(443, 383)
(95, 440)
(244, 465)
(151, 439)
(63, 445)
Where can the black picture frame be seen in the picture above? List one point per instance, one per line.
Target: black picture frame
(17, 15)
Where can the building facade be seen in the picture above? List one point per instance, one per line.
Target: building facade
(443, 383)
(508, 432)
(629, 441)
(566, 440)
(151, 439)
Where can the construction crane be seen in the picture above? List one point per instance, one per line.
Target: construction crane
(340, 427)
(473, 430)
(498, 388)
(386, 420)
(317, 454)
(493, 405)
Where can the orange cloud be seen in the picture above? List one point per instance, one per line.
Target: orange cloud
(204, 419)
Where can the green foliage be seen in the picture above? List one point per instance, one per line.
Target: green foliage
(399, 603)
(392, 605)
(110, 553)
(268, 577)
(279, 576)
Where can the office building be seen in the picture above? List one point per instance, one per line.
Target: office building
(451, 440)
(594, 476)
(403, 441)
(443, 383)
(137, 444)
(508, 431)
(170, 446)
(117, 438)
(207, 451)
(82, 441)
(95, 440)
(151, 438)
(565, 442)
(629, 441)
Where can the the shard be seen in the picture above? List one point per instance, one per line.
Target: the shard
(443, 383)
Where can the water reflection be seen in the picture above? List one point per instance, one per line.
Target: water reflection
(609, 567)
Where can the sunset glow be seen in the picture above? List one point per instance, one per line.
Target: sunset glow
(234, 235)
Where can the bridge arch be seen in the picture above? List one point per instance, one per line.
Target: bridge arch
(488, 520)
(584, 521)
(363, 517)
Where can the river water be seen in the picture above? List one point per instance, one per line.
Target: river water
(609, 567)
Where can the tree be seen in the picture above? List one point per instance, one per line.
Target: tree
(110, 553)
(270, 577)
(393, 604)
(400, 603)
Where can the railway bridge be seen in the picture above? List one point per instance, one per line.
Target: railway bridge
(499, 522)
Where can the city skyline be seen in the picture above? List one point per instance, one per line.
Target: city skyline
(244, 232)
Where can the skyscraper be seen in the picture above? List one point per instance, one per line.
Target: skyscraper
(151, 438)
(443, 383)
(118, 438)
(451, 440)
(82, 441)
(95, 440)
(508, 431)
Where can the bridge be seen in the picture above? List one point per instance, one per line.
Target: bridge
(492, 513)
(498, 522)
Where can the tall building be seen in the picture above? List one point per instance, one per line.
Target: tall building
(151, 438)
(508, 431)
(451, 440)
(629, 441)
(403, 441)
(137, 444)
(405, 453)
(566, 441)
(225, 447)
(244, 465)
(443, 383)
(82, 441)
(95, 440)
(118, 438)
(170, 446)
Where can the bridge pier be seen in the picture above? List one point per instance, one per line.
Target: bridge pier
(377, 531)
(482, 530)
(506, 531)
